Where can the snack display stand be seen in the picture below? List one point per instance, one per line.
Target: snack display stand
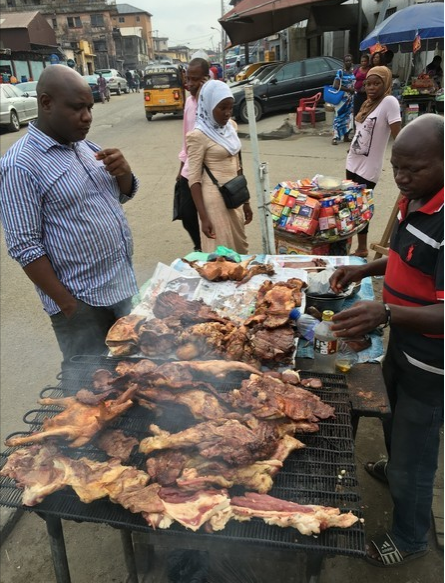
(419, 97)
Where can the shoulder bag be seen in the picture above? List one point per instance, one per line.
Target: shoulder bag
(234, 192)
(332, 95)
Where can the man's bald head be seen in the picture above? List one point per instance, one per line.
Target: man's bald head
(417, 158)
(65, 101)
(56, 78)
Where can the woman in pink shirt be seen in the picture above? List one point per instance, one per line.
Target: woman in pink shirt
(378, 118)
(360, 73)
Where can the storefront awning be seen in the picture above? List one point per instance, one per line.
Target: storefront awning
(329, 18)
(251, 20)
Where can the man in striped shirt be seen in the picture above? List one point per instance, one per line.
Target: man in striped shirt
(61, 208)
(413, 367)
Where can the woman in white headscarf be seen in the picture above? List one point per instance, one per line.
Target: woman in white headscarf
(215, 143)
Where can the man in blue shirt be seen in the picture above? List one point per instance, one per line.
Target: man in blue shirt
(60, 205)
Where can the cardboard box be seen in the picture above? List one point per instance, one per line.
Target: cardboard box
(288, 244)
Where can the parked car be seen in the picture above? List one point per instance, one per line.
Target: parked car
(16, 107)
(285, 85)
(92, 82)
(28, 87)
(258, 75)
(247, 70)
(116, 81)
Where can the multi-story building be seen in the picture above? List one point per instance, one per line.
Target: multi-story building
(83, 27)
(128, 18)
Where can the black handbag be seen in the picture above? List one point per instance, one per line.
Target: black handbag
(234, 192)
(177, 202)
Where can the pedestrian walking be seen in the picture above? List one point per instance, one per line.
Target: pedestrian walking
(63, 217)
(413, 293)
(360, 73)
(129, 78)
(215, 143)
(343, 121)
(136, 82)
(102, 84)
(197, 74)
(378, 118)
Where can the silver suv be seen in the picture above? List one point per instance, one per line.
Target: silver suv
(115, 80)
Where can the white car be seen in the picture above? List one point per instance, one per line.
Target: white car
(16, 107)
(116, 81)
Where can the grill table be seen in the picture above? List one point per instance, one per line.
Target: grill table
(309, 476)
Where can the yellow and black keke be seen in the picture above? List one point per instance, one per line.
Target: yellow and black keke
(164, 90)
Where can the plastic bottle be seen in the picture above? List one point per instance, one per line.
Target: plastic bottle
(325, 345)
(304, 323)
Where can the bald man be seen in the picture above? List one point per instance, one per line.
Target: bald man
(61, 207)
(413, 368)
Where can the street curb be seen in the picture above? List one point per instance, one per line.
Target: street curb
(9, 517)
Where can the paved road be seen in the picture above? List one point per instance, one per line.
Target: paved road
(30, 358)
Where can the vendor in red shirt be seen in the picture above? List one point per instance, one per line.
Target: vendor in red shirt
(413, 366)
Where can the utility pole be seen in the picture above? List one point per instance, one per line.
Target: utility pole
(223, 43)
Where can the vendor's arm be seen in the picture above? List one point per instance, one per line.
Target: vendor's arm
(116, 164)
(365, 316)
(42, 274)
(346, 274)
(195, 155)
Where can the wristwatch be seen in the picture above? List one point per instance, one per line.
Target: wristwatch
(388, 317)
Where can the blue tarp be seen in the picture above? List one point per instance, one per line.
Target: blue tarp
(402, 27)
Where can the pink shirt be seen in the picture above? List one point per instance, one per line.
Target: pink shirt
(188, 125)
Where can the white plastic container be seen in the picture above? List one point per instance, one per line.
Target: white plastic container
(325, 345)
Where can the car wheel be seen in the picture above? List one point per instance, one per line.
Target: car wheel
(243, 111)
(118, 91)
(14, 124)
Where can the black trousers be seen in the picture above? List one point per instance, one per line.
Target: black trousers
(85, 331)
(356, 178)
(189, 214)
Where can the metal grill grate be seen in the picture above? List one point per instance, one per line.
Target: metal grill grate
(309, 476)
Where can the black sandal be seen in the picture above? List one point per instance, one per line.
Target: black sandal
(377, 470)
(388, 554)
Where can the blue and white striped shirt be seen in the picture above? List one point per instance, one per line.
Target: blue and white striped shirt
(59, 201)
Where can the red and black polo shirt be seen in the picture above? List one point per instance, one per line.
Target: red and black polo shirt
(414, 276)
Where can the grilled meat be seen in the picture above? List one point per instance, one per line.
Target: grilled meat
(116, 444)
(201, 404)
(222, 270)
(275, 301)
(273, 345)
(307, 519)
(78, 423)
(123, 337)
(169, 304)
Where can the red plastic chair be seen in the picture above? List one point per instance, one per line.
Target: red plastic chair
(308, 104)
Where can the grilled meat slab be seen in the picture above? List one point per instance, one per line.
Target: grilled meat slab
(223, 270)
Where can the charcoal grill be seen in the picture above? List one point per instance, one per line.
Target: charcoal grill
(309, 476)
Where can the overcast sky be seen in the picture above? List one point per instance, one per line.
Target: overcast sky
(185, 22)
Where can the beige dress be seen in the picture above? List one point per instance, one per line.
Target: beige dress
(228, 224)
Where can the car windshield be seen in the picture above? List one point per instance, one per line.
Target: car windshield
(30, 86)
(262, 73)
(92, 78)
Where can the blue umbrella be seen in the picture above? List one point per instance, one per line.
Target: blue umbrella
(401, 28)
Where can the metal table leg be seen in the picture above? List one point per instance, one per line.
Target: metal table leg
(314, 564)
(58, 550)
(129, 556)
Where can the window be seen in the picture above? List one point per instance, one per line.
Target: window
(74, 22)
(97, 20)
(315, 66)
(54, 23)
(11, 3)
(138, 19)
(99, 45)
(121, 18)
(289, 71)
(7, 91)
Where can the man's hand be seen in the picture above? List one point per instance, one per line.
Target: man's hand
(248, 214)
(358, 320)
(207, 228)
(114, 162)
(345, 275)
(70, 308)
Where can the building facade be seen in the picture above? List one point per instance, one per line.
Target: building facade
(83, 28)
(129, 17)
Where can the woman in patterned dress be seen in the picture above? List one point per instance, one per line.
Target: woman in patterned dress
(343, 120)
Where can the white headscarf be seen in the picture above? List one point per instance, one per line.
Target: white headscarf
(212, 93)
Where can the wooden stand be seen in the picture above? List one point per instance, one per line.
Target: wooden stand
(383, 247)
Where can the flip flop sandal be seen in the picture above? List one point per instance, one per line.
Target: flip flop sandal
(362, 254)
(377, 470)
(334, 142)
(389, 554)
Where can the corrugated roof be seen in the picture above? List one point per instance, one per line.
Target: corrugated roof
(129, 9)
(16, 19)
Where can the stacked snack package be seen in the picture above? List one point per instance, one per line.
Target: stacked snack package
(304, 209)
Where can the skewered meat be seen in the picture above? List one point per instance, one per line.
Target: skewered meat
(267, 397)
(228, 439)
(273, 345)
(123, 337)
(223, 270)
(307, 519)
(116, 444)
(78, 423)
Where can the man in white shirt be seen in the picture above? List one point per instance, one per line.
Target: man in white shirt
(197, 75)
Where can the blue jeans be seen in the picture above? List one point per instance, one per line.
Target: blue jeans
(412, 439)
(85, 331)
